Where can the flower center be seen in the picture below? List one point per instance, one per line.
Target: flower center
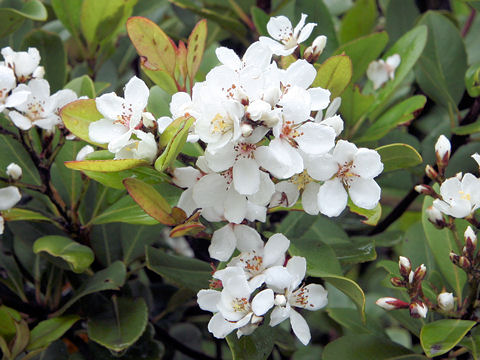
(240, 304)
(301, 180)
(35, 109)
(464, 195)
(221, 124)
(126, 115)
(252, 262)
(346, 174)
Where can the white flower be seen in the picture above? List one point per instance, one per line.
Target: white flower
(280, 28)
(445, 301)
(380, 71)
(459, 198)
(9, 197)
(121, 115)
(347, 168)
(24, 63)
(310, 297)
(143, 147)
(14, 171)
(257, 55)
(7, 83)
(181, 105)
(84, 151)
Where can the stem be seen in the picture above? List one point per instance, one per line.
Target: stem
(468, 23)
(451, 226)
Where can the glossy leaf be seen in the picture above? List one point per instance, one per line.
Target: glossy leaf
(111, 278)
(162, 79)
(354, 104)
(398, 156)
(438, 337)
(359, 20)
(48, 331)
(124, 210)
(401, 113)
(14, 279)
(438, 71)
(151, 201)
(78, 257)
(13, 151)
(8, 317)
(361, 250)
(17, 214)
(467, 129)
(363, 51)
(11, 19)
(320, 258)
(256, 347)
(68, 12)
(77, 117)
(196, 48)
(105, 165)
(182, 271)
(83, 86)
(152, 44)
(372, 216)
(334, 74)
(401, 16)
(120, 325)
(441, 243)
(367, 347)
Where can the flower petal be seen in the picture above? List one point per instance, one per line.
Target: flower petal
(365, 193)
(300, 327)
(297, 267)
(220, 327)
(279, 314)
(210, 190)
(321, 167)
(309, 198)
(344, 152)
(20, 121)
(332, 198)
(320, 98)
(235, 206)
(248, 238)
(367, 163)
(9, 197)
(316, 139)
(279, 27)
(104, 131)
(223, 243)
(262, 302)
(208, 299)
(275, 248)
(136, 94)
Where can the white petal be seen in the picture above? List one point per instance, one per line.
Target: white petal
(163, 123)
(222, 159)
(344, 152)
(450, 189)
(220, 327)
(275, 249)
(305, 33)
(208, 299)
(110, 105)
(278, 315)
(377, 73)
(262, 302)
(279, 27)
(335, 122)
(20, 121)
(228, 57)
(235, 206)
(321, 167)
(300, 327)
(276, 47)
(320, 98)
(9, 197)
(210, 190)
(136, 94)
(332, 198)
(278, 278)
(2, 225)
(316, 139)
(248, 239)
(297, 267)
(286, 194)
(17, 98)
(393, 61)
(309, 198)
(186, 202)
(186, 177)
(265, 191)
(256, 212)
(246, 176)
(179, 104)
(367, 163)
(104, 131)
(365, 193)
(223, 243)
(257, 54)
(300, 73)
(316, 297)
(119, 142)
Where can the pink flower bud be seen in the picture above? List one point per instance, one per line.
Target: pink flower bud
(445, 301)
(431, 172)
(390, 303)
(420, 273)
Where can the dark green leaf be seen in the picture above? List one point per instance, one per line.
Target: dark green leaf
(260, 19)
(11, 19)
(467, 129)
(359, 20)
(48, 331)
(472, 80)
(354, 104)
(438, 337)
(256, 347)
(68, 12)
(124, 210)
(398, 156)
(83, 86)
(400, 16)
(320, 258)
(355, 252)
(12, 151)
(371, 216)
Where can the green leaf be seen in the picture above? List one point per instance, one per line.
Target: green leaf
(472, 80)
(158, 102)
(196, 48)
(398, 114)
(363, 51)
(372, 216)
(354, 104)
(124, 210)
(13, 151)
(320, 258)
(401, 16)
(350, 319)
(14, 280)
(184, 272)
(260, 19)
(68, 12)
(105, 165)
(111, 278)
(11, 19)
(256, 347)
(78, 257)
(438, 337)
(162, 79)
(355, 252)
(398, 156)
(319, 14)
(438, 71)
(135, 238)
(179, 128)
(410, 46)
(120, 325)
(17, 214)
(50, 330)
(152, 44)
(83, 86)
(467, 129)
(150, 200)
(8, 317)
(367, 347)
(77, 117)
(441, 243)
(334, 74)
(359, 20)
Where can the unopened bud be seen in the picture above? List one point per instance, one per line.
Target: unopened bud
(390, 303)
(84, 151)
(418, 309)
(420, 273)
(431, 172)
(14, 171)
(454, 258)
(425, 190)
(435, 217)
(442, 151)
(312, 53)
(464, 263)
(404, 266)
(445, 301)
(246, 129)
(397, 282)
(148, 120)
(470, 238)
(410, 277)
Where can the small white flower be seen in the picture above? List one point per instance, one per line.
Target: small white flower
(9, 197)
(84, 151)
(459, 198)
(14, 171)
(280, 28)
(380, 71)
(7, 83)
(445, 301)
(24, 63)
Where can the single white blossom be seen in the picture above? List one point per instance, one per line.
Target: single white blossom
(24, 63)
(460, 198)
(380, 71)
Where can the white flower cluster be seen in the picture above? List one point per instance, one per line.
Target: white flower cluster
(25, 95)
(256, 281)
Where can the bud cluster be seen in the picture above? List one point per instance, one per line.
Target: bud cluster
(411, 280)
(467, 260)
